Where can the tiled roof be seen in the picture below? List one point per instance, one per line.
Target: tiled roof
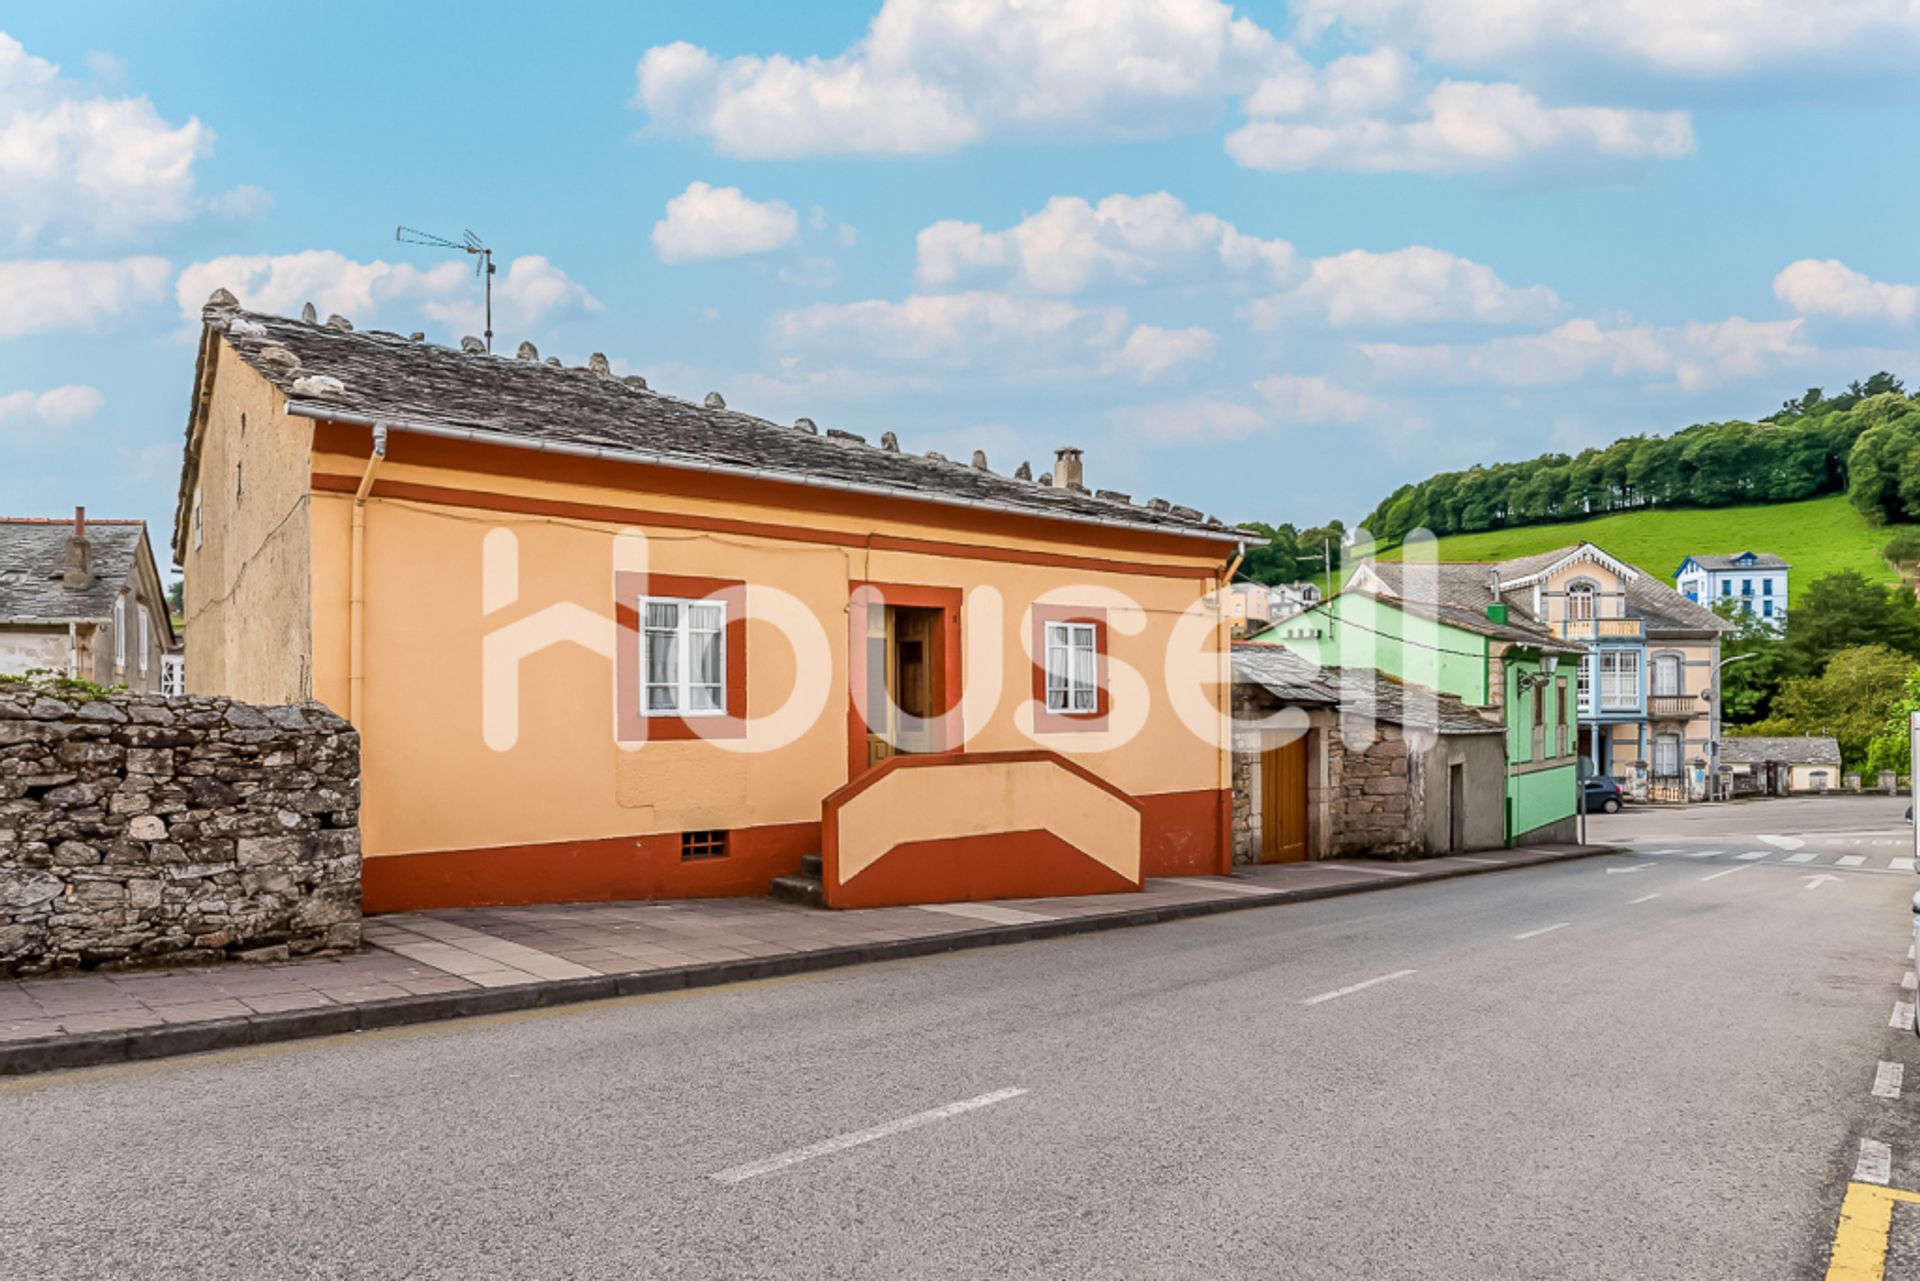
(1361, 691)
(331, 370)
(1461, 591)
(1738, 749)
(1761, 560)
(33, 556)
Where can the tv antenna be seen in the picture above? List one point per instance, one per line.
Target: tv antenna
(467, 244)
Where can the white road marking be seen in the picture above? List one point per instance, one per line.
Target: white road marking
(1222, 883)
(1545, 929)
(1909, 951)
(1356, 987)
(1782, 842)
(1638, 867)
(1751, 855)
(1801, 858)
(1875, 1164)
(1371, 871)
(1906, 980)
(1902, 1016)
(1664, 851)
(1887, 1081)
(1714, 876)
(1900, 865)
(841, 1142)
(987, 912)
(1851, 860)
(1644, 898)
(1815, 882)
(1703, 853)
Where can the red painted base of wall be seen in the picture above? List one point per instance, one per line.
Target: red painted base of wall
(1035, 864)
(1185, 834)
(628, 867)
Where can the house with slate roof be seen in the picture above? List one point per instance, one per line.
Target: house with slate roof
(1755, 581)
(604, 643)
(84, 598)
(1810, 763)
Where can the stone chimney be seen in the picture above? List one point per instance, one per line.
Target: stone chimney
(76, 569)
(1066, 468)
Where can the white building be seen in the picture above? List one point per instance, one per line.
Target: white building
(1252, 606)
(1757, 580)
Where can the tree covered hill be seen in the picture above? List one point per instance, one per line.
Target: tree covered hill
(1864, 443)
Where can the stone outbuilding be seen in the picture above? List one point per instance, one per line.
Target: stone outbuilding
(84, 598)
(1330, 762)
(1779, 766)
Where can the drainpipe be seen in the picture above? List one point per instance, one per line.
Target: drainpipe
(357, 584)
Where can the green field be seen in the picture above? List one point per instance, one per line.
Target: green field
(1818, 537)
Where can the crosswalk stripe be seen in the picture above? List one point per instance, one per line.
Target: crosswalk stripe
(1702, 853)
(1751, 855)
(1801, 858)
(1901, 865)
(1663, 851)
(1902, 1016)
(1852, 860)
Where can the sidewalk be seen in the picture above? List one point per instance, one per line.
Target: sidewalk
(420, 967)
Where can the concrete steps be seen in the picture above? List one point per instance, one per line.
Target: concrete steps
(804, 888)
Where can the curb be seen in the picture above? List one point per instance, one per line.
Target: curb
(55, 1053)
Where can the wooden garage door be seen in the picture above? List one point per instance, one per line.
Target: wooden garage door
(1283, 803)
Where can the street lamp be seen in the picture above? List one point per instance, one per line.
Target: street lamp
(1712, 695)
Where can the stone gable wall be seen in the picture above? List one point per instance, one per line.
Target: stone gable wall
(137, 829)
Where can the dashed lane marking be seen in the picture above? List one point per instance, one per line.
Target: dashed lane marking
(1644, 898)
(1875, 1164)
(1545, 929)
(1902, 1016)
(841, 1142)
(1350, 989)
(1888, 1079)
(1714, 876)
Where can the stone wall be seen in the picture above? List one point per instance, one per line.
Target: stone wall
(136, 829)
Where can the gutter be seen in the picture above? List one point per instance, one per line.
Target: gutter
(481, 436)
(357, 585)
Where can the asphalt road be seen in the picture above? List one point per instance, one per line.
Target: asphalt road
(1578, 1071)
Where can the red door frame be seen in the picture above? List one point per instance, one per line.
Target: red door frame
(948, 671)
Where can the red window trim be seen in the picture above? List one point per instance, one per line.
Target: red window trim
(1044, 721)
(634, 726)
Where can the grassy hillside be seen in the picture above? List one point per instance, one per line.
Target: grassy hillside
(1818, 537)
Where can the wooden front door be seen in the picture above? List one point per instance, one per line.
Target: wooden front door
(1283, 803)
(907, 692)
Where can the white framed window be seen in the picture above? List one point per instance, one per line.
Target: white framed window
(120, 632)
(199, 520)
(173, 675)
(683, 657)
(146, 639)
(1585, 685)
(1580, 601)
(1072, 669)
(1666, 756)
(1619, 679)
(1666, 675)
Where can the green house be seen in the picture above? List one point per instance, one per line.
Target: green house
(1448, 630)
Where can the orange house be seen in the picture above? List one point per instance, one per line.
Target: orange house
(602, 643)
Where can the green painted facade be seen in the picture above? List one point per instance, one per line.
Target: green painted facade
(1361, 631)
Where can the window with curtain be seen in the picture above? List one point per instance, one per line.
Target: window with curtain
(1666, 756)
(1666, 675)
(1072, 669)
(1580, 600)
(1619, 678)
(683, 657)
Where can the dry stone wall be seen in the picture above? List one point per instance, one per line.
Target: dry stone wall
(136, 829)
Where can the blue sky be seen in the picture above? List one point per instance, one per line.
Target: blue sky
(1267, 260)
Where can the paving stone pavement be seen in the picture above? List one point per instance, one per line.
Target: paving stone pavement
(420, 953)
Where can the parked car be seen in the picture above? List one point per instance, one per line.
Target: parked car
(1601, 792)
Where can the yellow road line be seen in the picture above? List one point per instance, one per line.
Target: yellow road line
(1860, 1240)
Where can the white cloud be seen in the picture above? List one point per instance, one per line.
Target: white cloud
(719, 222)
(1071, 246)
(1690, 37)
(1689, 356)
(60, 407)
(1312, 399)
(1416, 285)
(1151, 351)
(527, 291)
(956, 329)
(932, 76)
(46, 294)
(75, 168)
(1816, 287)
(1201, 419)
(1460, 127)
